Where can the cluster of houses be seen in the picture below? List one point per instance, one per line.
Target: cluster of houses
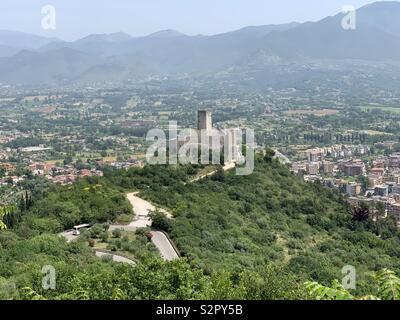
(69, 174)
(65, 174)
(62, 175)
(375, 181)
(342, 158)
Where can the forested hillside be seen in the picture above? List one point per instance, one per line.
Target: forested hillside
(255, 237)
(272, 217)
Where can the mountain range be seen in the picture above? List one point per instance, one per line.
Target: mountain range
(30, 59)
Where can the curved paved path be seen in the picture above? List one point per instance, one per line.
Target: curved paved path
(164, 245)
(70, 237)
(142, 209)
(282, 157)
(226, 167)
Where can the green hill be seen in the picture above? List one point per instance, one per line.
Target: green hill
(242, 237)
(272, 217)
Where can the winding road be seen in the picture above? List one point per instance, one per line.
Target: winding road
(164, 245)
(227, 167)
(142, 210)
(70, 237)
(282, 157)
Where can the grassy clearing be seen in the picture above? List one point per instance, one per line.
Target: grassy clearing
(383, 108)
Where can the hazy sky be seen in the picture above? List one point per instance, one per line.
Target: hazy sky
(78, 18)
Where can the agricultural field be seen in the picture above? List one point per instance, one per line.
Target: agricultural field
(317, 113)
(382, 108)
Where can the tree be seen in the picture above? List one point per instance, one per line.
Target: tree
(380, 210)
(96, 231)
(360, 213)
(160, 221)
(91, 243)
(219, 175)
(386, 282)
(68, 160)
(388, 285)
(5, 211)
(117, 233)
(269, 155)
(320, 292)
(25, 201)
(365, 183)
(104, 236)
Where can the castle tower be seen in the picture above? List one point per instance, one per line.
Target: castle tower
(204, 120)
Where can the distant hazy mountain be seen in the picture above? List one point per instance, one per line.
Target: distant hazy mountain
(381, 15)
(375, 37)
(7, 51)
(119, 56)
(58, 66)
(12, 42)
(95, 43)
(166, 34)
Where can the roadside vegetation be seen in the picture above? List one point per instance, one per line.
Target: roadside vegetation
(264, 236)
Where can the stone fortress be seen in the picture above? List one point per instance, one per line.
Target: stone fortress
(227, 141)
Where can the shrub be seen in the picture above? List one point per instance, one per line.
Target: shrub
(104, 236)
(160, 221)
(91, 243)
(117, 233)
